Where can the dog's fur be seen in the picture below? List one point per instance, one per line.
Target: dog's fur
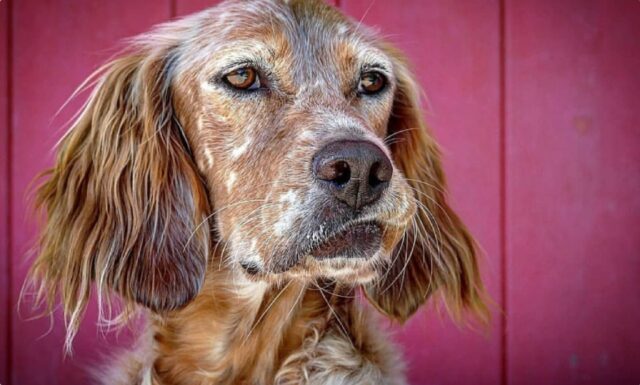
(169, 181)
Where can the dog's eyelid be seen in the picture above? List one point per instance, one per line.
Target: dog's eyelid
(263, 79)
(239, 65)
(370, 67)
(261, 68)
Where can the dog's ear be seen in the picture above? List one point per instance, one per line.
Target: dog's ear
(438, 253)
(126, 208)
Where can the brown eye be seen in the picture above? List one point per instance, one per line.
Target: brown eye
(372, 82)
(243, 79)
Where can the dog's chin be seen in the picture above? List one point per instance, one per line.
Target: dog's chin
(348, 255)
(359, 241)
(347, 269)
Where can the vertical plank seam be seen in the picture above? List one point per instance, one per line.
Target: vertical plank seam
(503, 192)
(8, 199)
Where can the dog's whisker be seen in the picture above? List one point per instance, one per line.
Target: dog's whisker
(342, 328)
(235, 204)
(334, 294)
(389, 137)
(264, 313)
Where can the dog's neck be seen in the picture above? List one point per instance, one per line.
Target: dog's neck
(241, 331)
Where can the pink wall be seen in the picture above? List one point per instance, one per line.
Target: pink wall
(536, 105)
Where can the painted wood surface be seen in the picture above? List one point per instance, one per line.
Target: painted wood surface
(573, 191)
(535, 105)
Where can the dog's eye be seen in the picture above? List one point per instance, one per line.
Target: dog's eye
(371, 82)
(243, 79)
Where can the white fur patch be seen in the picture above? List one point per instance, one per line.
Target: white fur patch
(209, 155)
(248, 289)
(238, 151)
(207, 86)
(231, 180)
(307, 134)
(289, 215)
(146, 380)
(289, 197)
(254, 246)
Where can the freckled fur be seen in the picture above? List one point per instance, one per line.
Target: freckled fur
(169, 180)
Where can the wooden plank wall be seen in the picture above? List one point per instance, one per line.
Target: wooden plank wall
(573, 191)
(535, 105)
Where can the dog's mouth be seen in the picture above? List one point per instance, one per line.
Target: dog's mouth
(346, 251)
(356, 241)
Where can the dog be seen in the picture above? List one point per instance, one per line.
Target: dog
(250, 177)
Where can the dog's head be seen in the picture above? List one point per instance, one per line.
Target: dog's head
(281, 134)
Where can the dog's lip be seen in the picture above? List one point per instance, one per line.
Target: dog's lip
(358, 240)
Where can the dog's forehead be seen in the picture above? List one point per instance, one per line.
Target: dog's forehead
(313, 18)
(306, 34)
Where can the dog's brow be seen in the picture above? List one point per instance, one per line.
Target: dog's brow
(243, 51)
(376, 66)
(373, 59)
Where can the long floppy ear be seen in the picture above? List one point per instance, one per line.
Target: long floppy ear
(438, 253)
(124, 200)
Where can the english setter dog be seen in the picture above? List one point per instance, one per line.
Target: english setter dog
(242, 175)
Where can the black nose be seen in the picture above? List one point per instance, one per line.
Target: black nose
(355, 172)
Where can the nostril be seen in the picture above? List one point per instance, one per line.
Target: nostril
(374, 178)
(380, 173)
(335, 171)
(342, 172)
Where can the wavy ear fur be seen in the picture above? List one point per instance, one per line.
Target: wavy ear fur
(438, 252)
(124, 200)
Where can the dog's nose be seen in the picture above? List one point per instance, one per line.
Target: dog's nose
(356, 172)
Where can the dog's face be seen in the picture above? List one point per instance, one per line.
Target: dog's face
(289, 111)
(277, 136)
